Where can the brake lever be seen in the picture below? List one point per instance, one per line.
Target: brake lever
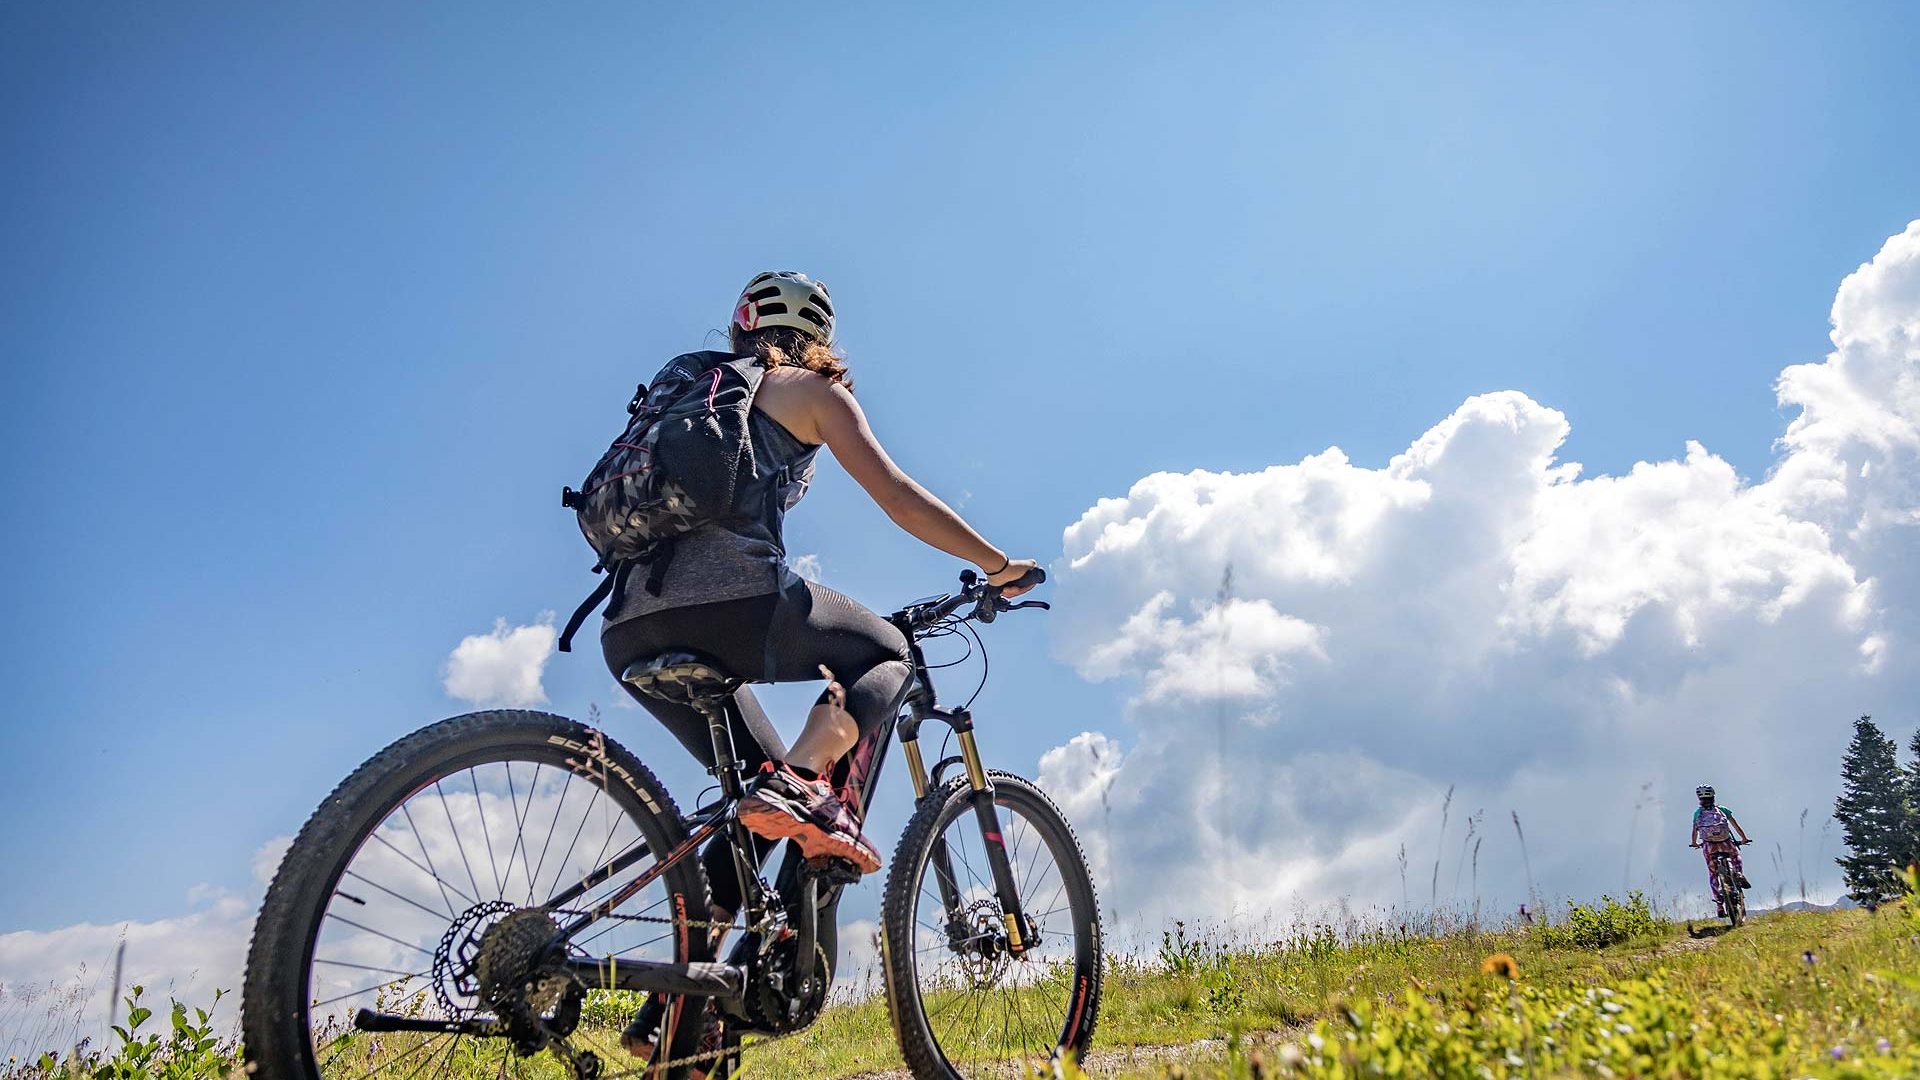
(1041, 604)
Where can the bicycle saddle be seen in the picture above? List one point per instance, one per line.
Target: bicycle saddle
(680, 675)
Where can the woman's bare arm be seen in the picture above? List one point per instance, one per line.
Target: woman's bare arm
(841, 424)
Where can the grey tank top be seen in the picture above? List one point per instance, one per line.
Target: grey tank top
(712, 563)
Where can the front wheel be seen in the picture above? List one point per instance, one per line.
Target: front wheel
(963, 1002)
(1732, 897)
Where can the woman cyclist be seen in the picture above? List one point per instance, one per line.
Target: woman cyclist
(1719, 832)
(734, 598)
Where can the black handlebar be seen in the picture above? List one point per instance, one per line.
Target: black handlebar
(988, 600)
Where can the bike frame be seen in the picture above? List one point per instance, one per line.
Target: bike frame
(798, 886)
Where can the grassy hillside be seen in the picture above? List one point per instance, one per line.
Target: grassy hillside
(1790, 995)
(1612, 992)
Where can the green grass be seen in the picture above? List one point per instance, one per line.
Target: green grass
(1611, 990)
(1792, 995)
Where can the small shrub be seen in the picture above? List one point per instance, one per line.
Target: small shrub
(1319, 943)
(188, 1050)
(1182, 955)
(1596, 927)
(610, 1008)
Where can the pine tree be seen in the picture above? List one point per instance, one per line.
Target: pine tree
(1872, 811)
(1910, 853)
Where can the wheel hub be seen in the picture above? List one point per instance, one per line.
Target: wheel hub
(979, 938)
(455, 981)
(494, 958)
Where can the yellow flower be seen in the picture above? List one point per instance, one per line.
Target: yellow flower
(1502, 965)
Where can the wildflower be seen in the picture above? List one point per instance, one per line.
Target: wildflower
(1314, 1040)
(1291, 1056)
(1502, 965)
(1884, 1045)
(1808, 958)
(1838, 1052)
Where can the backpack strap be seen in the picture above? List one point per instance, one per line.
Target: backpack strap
(600, 592)
(613, 588)
(656, 555)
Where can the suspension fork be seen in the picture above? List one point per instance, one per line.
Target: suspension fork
(1013, 915)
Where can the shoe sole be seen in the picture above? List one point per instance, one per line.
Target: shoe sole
(776, 824)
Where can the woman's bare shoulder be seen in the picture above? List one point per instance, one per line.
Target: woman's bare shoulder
(817, 391)
(798, 377)
(801, 400)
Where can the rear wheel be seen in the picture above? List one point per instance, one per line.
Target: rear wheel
(449, 857)
(1732, 897)
(963, 1005)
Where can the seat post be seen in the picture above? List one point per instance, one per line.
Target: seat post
(688, 678)
(726, 766)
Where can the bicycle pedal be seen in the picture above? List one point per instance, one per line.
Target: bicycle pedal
(833, 870)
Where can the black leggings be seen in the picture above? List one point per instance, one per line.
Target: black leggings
(779, 637)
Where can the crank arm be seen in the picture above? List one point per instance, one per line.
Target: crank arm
(382, 1023)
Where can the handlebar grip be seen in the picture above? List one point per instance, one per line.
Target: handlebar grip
(1035, 576)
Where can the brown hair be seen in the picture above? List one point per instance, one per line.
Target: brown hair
(777, 345)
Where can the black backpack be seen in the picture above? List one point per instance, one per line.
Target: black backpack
(684, 460)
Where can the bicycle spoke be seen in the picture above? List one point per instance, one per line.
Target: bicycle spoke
(405, 899)
(457, 842)
(558, 811)
(367, 967)
(520, 846)
(584, 815)
(427, 855)
(423, 1044)
(486, 833)
(371, 989)
(378, 934)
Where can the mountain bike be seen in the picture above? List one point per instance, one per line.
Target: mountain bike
(1733, 898)
(484, 890)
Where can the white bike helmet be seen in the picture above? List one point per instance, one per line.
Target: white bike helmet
(785, 298)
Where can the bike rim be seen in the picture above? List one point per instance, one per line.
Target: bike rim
(997, 1013)
(489, 833)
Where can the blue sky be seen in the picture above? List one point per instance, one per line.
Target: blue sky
(307, 313)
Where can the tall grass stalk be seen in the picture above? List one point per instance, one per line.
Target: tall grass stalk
(1446, 807)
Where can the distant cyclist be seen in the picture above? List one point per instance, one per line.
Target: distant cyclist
(1715, 828)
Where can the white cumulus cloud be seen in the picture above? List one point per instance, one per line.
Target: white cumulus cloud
(1476, 614)
(187, 956)
(504, 667)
